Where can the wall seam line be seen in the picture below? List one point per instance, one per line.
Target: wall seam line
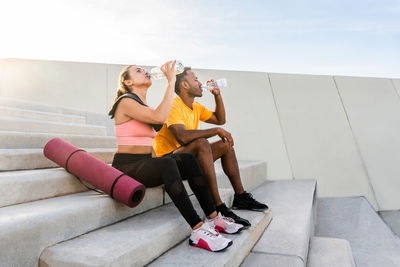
(357, 145)
(395, 89)
(281, 127)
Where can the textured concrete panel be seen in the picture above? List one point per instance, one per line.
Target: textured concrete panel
(67, 84)
(373, 109)
(318, 136)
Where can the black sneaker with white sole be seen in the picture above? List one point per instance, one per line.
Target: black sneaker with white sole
(245, 201)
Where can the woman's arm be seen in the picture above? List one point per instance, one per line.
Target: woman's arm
(146, 114)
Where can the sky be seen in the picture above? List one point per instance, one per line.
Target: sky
(329, 37)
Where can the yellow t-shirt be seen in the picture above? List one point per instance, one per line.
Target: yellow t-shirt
(165, 141)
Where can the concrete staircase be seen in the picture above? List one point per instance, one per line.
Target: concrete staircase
(48, 218)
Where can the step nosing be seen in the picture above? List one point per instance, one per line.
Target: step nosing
(278, 254)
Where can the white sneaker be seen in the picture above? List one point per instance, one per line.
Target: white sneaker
(225, 224)
(206, 237)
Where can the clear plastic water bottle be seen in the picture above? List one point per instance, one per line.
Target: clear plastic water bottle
(156, 73)
(220, 83)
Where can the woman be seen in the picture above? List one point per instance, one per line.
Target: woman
(135, 125)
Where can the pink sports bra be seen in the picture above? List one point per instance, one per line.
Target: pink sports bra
(134, 133)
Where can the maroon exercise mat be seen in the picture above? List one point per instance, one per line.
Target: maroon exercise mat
(97, 173)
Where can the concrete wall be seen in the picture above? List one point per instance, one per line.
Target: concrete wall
(318, 135)
(342, 131)
(373, 109)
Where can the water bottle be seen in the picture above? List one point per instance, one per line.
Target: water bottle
(220, 83)
(156, 73)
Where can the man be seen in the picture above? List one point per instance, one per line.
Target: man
(181, 134)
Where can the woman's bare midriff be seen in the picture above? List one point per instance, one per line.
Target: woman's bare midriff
(135, 149)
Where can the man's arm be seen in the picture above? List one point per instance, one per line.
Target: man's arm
(184, 136)
(218, 117)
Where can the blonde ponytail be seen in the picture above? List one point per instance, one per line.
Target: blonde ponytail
(123, 88)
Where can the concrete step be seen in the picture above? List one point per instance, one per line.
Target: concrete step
(91, 118)
(9, 139)
(354, 219)
(40, 115)
(28, 159)
(185, 255)
(25, 186)
(38, 126)
(26, 229)
(286, 240)
(30, 185)
(330, 252)
(132, 242)
(35, 106)
(253, 174)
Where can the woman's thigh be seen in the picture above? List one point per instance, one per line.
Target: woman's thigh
(151, 172)
(187, 165)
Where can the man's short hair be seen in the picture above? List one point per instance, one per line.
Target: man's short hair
(179, 78)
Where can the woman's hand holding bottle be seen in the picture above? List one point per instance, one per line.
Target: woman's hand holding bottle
(169, 71)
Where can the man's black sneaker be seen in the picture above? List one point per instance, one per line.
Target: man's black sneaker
(226, 212)
(245, 201)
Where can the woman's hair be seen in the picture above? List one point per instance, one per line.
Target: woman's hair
(123, 88)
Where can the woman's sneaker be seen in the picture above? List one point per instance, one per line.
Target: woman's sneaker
(206, 237)
(226, 212)
(225, 224)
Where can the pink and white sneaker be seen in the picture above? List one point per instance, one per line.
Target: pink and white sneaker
(225, 224)
(206, 237)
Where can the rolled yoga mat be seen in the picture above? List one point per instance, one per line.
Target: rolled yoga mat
(111, 181)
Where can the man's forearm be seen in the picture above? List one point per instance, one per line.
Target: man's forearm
(188, 136)
(219, 109)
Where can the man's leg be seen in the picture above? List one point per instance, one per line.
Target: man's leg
(202, 149)
(226, 153)
(242, 199)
